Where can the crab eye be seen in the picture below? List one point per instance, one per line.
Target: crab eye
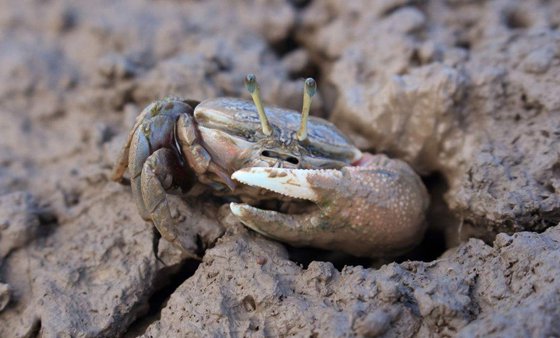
(292, 160)
(272, 154)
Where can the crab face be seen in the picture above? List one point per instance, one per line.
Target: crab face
(231, 131)
(363, 204)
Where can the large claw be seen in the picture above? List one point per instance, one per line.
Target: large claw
(375, 209)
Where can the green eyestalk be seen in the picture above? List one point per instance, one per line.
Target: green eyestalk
(309, 90)
(253, 88)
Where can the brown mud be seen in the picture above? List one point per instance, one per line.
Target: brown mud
(467, 92)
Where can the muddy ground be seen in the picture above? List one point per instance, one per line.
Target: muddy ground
(467, 92)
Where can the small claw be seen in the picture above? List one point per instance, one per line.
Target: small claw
(244, 210)
(295, 183)
(275, 225)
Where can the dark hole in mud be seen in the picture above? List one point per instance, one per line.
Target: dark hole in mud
(443, 227)
(300, 3)
(415, 59)
(200, 246)
(550, 188)
(431, 247)
(516, 19)
(284, 46)
(35, 330)
(249, 303)
(168, 280)
(48, 220)
(464, 44)
(311, 69)
(529, 105)
(442, 233)
(525, 102)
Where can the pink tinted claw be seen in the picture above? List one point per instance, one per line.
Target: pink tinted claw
(373, 209)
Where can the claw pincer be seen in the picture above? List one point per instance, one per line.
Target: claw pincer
(376, 210)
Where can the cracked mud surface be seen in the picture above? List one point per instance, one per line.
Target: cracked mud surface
(466, 91)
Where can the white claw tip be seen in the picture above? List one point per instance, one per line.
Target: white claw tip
(236, 209)
(289, 182)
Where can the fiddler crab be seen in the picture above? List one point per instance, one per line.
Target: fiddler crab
(288, 176)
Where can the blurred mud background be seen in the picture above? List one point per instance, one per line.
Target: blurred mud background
(468, 92)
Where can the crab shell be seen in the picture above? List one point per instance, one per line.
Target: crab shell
(231, 133)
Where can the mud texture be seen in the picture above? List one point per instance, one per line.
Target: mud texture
(465, 88)
(508, 290)
(467, 92)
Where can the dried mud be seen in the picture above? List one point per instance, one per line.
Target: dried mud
(467, 92)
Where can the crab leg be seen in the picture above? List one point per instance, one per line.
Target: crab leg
(376, 208)
(123, 157)
(162, 173)
(152, 135)
(156, 179)
(154, 163)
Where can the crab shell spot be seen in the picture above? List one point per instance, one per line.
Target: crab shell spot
(146, 129)
(155, 109)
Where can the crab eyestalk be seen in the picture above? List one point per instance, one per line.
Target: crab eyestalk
(253, 88)
(308, 91)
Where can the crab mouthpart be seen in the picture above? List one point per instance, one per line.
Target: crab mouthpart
(292, 183)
